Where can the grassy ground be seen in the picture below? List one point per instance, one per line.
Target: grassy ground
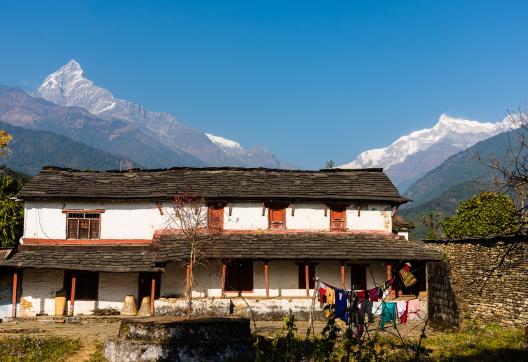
(26, 348)
(37, 341)
(480, 343)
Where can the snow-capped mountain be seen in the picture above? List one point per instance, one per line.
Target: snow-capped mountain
(255, 156)
(69, 87)
(413, 155)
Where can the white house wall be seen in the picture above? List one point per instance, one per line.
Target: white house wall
(245, 216)
(371, 218)
(139, 220)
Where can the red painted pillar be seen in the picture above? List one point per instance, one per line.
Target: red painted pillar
(266, 277)
(72, 296)
(224, 269)
(152, 294)
(15, 288)
(307, 278)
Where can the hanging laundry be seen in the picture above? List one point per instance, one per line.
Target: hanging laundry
(341, 305)
(403, 311)
(388, 314)
(362, 295)
(373, 294)
(407, 277)
(414, 307)
(330, 299)
(322, 295)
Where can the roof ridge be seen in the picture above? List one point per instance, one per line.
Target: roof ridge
(221, 168)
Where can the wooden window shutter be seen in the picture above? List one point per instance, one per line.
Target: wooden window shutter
(277, 218)
(338, 219)
(215, 218)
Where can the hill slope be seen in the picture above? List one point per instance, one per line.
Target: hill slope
(31, 150)
(118, 137)
(459, 168)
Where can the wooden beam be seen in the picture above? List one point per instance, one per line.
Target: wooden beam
(152, 294)
(224, 269)
(15, 288)
(307, 278)
(342, 275)
(266, 277)
(72, 294)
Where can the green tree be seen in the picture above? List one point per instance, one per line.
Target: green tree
(488, 213)
(11, 211)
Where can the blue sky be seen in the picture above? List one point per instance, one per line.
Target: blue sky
(311, 81)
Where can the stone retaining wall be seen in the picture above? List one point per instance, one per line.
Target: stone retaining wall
(485, 279)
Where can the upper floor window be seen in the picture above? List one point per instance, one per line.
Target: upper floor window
(215, 218)
(277, 218)
(83, 225)
(338, 219)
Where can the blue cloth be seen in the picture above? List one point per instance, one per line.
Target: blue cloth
(341, 304)
(388, 314)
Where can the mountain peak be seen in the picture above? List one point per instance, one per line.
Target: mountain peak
(72, 66)
(449, 133)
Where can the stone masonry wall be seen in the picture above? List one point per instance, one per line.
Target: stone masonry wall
(482, 279)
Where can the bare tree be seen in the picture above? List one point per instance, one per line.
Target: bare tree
(189, 216)
(510, 172)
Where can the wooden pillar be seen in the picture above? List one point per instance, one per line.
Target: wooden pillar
(15, 288)
(307, 278)
(224, 269)
(342, 274)
(152, 294)
(389, 276)
(188, 290)
(266, 277)
(72, 294)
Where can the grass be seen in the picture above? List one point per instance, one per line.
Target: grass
(37, 348)
(98, 355)
(474, 343)
(480, 343)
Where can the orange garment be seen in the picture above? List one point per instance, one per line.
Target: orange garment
(330, 299)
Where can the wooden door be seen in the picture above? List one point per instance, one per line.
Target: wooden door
(358, 276)
(239, 275)
(145, 285)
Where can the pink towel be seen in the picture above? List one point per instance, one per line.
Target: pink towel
(414, 306)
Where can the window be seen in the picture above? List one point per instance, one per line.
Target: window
(302, 276)
(277, 218)
(86, 284)
(338, 219)
(239, 275)
(215, 217)
(82, 225)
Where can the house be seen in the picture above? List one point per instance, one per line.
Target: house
(104, 235)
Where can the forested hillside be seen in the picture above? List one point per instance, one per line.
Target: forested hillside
(31, 150)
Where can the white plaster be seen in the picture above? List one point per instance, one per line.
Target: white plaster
(245, 216)
(405, 234)
(307, 217)
(45, 220)
(373, 217)
(139, 220)
(38, 291)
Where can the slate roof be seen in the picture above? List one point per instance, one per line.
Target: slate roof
(174, 247)
(83, 257)
(213, 183)
(327, 245)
